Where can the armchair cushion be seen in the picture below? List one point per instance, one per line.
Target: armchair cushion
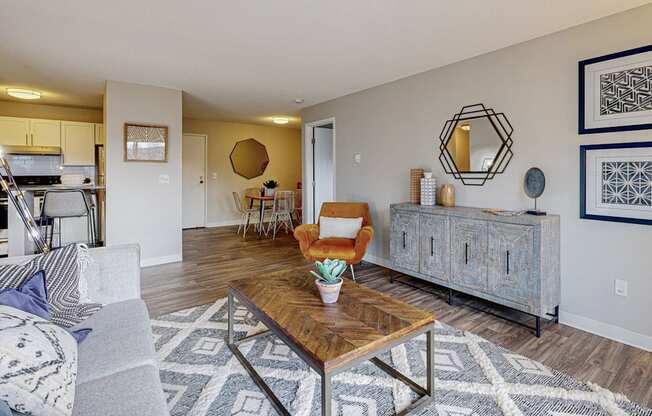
(333, 248)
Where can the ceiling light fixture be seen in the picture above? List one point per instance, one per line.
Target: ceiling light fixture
(280, 120)
(23, 94)
(299, 101)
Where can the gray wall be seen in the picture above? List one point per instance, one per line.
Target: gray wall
(395, 127)
(140, 207)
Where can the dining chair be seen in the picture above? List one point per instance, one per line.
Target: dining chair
(282, 209)
(245, 214)
(298, 205)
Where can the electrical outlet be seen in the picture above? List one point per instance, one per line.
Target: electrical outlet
(621, 287)
(163, 178)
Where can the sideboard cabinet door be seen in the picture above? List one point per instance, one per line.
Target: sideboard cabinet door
(469, 251)
(510, 270)
(404, 240)
(434, 233)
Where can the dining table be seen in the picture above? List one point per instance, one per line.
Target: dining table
(261, 199)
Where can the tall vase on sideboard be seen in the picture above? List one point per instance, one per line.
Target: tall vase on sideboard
(428, 189)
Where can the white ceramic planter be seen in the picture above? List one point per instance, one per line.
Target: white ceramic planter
(329, 292)
(269, 191)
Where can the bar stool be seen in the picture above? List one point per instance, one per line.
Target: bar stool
(69, 203)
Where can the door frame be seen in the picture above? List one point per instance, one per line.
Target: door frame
(205, 137)
(308, 163)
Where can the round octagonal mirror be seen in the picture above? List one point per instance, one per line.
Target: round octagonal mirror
(249, 158)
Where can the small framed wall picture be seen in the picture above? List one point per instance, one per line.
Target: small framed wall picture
(615, 92)
(616, 182)
(146, 143)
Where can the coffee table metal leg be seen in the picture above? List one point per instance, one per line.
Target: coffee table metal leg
(430, 367)
(326, 395)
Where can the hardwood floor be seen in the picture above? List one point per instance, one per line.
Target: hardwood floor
(214, 256)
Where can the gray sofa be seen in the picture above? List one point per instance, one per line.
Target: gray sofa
(117, 373)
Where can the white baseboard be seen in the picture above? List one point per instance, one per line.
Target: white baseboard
(380, 261)
(226, 223)
(606, 330)
(155, 261)
(602, 329)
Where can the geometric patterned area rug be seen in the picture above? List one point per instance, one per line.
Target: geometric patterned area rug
(201, 377)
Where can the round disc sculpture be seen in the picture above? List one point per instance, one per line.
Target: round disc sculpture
(534, 184)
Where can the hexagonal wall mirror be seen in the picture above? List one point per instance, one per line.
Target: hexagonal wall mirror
(249, 158)
(475, 144)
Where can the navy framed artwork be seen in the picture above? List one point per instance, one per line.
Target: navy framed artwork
(615, 92)
(616, 182)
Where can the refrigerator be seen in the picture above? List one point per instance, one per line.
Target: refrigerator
(100, 193)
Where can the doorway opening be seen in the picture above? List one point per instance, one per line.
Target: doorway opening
(319, 169)
(194, 180)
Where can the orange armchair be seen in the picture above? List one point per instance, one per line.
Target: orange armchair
(350, 250)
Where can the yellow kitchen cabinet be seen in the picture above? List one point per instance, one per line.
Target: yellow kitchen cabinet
(99, 133)
(14, 131)
(45, 132)
(78, 143)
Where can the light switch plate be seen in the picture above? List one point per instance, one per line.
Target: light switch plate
(163, 178)
(357, 158)
(621, 287)
(214, 175)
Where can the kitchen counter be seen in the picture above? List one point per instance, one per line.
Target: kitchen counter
(84, 187)
(20, 243)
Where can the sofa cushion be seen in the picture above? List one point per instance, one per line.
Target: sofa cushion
(61, 268)
(132, 392)
(333, 248)
(121, 339)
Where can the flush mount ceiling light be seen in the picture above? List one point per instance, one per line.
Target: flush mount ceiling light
(299, 101)
(23, 94)
(280, 120)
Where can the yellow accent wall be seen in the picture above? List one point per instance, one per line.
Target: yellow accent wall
(284, 150)
(51, 112)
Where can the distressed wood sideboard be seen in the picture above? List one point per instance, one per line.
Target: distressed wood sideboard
(512, 261)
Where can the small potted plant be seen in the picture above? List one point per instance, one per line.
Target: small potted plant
(329, 280)
(270, 186)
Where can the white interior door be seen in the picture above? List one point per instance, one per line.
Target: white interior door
(194, 181)
(323, 168)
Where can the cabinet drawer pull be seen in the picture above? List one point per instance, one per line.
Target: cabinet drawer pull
(404, 239)
(466, 253)
(508, 262)
(432, 246)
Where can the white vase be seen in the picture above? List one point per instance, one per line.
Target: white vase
(329, 292)
(428, 191)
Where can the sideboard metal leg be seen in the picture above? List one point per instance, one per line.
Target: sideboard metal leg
(538, 327)
(450, 297)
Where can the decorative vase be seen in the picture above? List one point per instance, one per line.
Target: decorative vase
(415, 185)
(447, 195)
(428, 190)
(329, 292)
(269, 191)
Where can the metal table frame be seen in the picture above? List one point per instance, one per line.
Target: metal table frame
(426, 394)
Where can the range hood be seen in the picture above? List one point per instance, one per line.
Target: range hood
(31, 150)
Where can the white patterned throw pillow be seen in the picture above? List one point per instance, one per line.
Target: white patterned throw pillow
(38, 364)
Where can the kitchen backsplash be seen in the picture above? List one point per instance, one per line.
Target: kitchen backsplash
(29, 165)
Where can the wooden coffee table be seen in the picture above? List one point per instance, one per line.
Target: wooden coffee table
(331, 338)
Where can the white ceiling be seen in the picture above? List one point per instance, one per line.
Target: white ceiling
(249, 60)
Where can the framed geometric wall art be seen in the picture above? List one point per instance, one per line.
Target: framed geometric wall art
(616, 182)
(146, 143)
(615, 92)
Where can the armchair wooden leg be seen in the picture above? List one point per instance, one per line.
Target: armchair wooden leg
(352, 273)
